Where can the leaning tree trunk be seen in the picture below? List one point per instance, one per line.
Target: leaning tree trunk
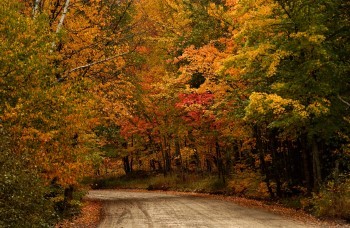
(63, 16)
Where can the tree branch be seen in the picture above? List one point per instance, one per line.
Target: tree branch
(344, 101)
(92, 64)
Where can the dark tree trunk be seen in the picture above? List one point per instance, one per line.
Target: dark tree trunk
(228, 161)
(306, 167)
(131, 164)
(68, 193)
(264, 170)
(167, 150)
(316, 164)
(126, 164)
(277, 169)
(152, 164)
(236, 154)
(220, 165)
(167, 161)
(177, 146)
(68, 196)
(208, 163)
(164, 158)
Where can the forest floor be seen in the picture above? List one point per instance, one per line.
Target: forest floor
(90, 216)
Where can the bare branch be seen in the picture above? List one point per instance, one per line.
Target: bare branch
(94, 63)
(344, 101)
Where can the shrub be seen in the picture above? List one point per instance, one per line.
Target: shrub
(22, 195)
(333, 200)
(248, 183)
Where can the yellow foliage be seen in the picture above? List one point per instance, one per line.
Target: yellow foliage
(263, 106)
(318, 108)
(314, 39)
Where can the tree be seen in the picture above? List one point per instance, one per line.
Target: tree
(48, 123)
(23, 190)
(286, 52)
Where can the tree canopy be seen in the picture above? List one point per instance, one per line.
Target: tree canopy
(221, 87)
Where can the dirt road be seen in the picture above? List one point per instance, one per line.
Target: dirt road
(154, 209)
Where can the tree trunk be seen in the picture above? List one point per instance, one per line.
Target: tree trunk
(228, 164)
(126, 164)
(60, 23)
(166, 156)
(208, 164)
(68, 193)
(131, 164)
(219, 162)
(316, 164)
(177, 146)
(306, 167)
(152, 164)
(260, 150)
(277, 169)
(236, 154)
(63, 16)
(68, 196)
(167, 161)
(164, 159)
(36, 8)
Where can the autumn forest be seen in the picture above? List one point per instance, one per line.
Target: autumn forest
(253, 95)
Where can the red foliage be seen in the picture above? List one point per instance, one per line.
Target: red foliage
(198, 104)
(204, 99)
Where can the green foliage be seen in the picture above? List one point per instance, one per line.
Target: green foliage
(333, 200)
(41, 136)
(199, 13)
(23, 68)
(52, 122)
(24, 54)
(23, 201)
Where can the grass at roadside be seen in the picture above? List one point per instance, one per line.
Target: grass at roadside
(192, 183)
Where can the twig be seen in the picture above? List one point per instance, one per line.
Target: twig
(92, 64)
(344, 101)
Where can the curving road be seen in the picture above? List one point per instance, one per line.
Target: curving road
(154, 209)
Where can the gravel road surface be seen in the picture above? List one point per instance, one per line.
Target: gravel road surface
(154, 209)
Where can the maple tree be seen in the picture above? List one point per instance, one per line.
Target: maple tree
(23, 43)
(230, 87)
(247, 57)
(289, 56)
